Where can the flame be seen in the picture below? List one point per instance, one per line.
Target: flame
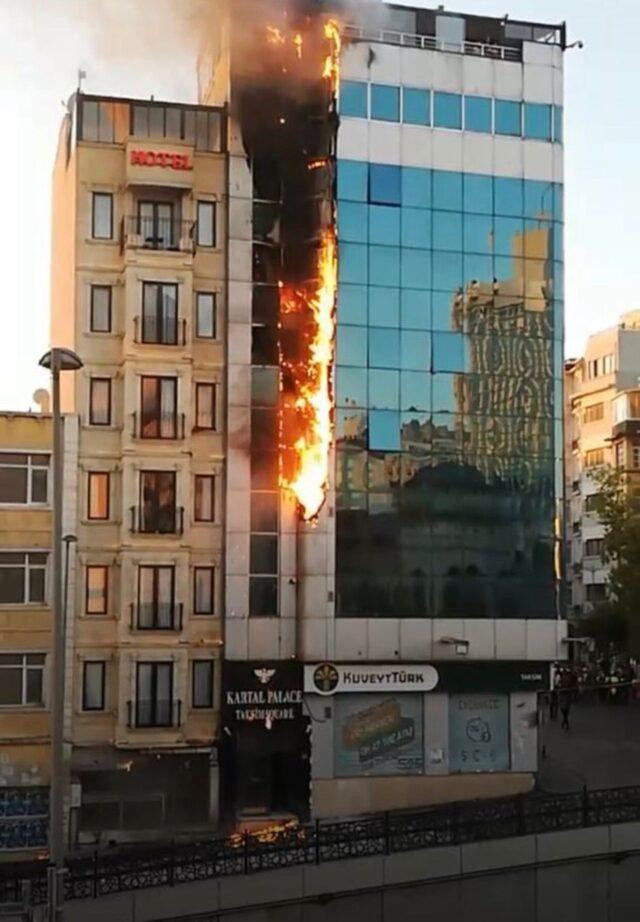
(314, 400)
(297, 41)
(332, 62)
(275, 36)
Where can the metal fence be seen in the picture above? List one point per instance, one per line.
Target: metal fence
(97, 874)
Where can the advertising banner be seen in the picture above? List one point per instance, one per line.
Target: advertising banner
(378, 735)
(337, 678)
(479, 733)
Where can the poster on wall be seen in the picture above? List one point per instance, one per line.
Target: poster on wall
(479, 733)
(378, 735)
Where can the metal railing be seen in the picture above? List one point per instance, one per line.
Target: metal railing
(431, 43)
(154, 713)
(156, 616)
(101, 873)
(152, 333)
(157, 233)
(168, 520)
(163, 427)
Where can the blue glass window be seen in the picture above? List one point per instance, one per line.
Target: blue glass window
(477, 268)
(384, 265)
(351, 387)
(352, 222)
(384, 430)
(447, 271)
(353, 263)
(385, 102)
(447, 230)
(538, 199)
(352, 304)
(384, 182)
(509, 271)
(415, 350)
(508, 195)
(416, 106)
(415, 268)
(444, 393)
(477, 113)
(415, 390)
(449, 352)
(384, 307)
(353, 180)
(415, 309)
(508, 236)
(352, 345)
(447, 190)
(558, 128)
(507, 118)
(384, 348)
(416, 187)
(384, 225)
(478, 233)
(478, 193)
(384, 389)
(447, 110)
(558, 202)
(443, 310)
(353, 98)
(416, 227)
(537, 121)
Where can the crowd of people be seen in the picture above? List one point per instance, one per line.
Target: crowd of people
(610, 681)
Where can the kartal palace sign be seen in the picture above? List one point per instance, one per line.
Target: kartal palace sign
(331, 679)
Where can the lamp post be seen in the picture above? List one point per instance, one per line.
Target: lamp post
(56, 361)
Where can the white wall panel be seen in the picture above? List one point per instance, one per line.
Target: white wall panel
(384, 142)
(508, 157)
(350, 639)
(478, 76)
(508, 80)
(477, 153)
(416, 638)
(538, 83)
(447, 150)
(383, 639)
(447, 72)
(385, 63)
(538, 160)
(416, 146)
(355, 62)
(416, 67)
(353, 139)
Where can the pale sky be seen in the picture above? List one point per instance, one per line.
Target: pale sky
(144, 47)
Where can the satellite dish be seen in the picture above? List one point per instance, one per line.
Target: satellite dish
(43, 399)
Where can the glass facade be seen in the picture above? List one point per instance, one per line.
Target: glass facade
(448, 394)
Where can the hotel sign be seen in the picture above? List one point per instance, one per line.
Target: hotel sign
(269, 692)
(332, 679)
(161, 158)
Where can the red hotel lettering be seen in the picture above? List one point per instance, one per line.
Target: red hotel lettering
(161, 158)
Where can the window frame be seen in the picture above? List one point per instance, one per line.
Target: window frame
(27, 567)
(156, 596)
(210, 702)
(157, 418)
(154, 668)
(105, 595)
(213, 205)
(90, 477)
(197, 513)
(159, 315)
(214, 311)
(153, 475)
(201, 387)
(30, 467)
(197, 612)
(93, 289)
(103, 670)
(24, 667)
(92, 414)
(96, 194)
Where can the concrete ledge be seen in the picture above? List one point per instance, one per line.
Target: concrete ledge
(167, 902)
(499, 853)
(572, 843)
(406, 867)
(625, 836)
(263, 887)
(341, 876)
(120, 906)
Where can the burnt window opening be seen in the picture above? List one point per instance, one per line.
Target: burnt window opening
(265, 307)
(264, 430)
(266, 263)
(264, 346)
(267, 185)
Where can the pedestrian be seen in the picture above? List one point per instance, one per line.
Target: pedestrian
(565, 707)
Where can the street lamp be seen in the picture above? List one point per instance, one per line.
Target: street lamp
(56, 361)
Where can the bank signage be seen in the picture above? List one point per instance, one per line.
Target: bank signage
(270, 692)
(161, 158)
(333, 678)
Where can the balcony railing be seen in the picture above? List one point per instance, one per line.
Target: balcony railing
(167, 333)
(156, 616)
(157, 234)
(153, 712)
(163, 427)
(431, 43)
(168, 520)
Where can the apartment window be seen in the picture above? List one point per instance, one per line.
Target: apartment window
(634, 405)
(594, 547)
(102, 216)
(477, 113)
(158, 401)
(385, 102)
(205, 406)
(98, 495)
(24, 478)
(619, 454)
(593, 368)
(447, 110)
(594, 457)
(158, 502)
(596, 592)
(206, 224)
(416, 106)
(205, 315)
(635, 456)
(100, 313)
(21, 678)
(156, 225)
(154, 694)
(607, 364)
(203, 589)
(204, 498)
(100, 402)
(593, 413)
(202, 690)
(199, 127)
(97, 590)
(508, 117)
(96, 121)
(156, 597)
(22, 578)
(591, 503)
(353, 98)
(93, 685)
(160, 313)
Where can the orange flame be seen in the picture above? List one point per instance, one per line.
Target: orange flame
(275, 36)
(297, 41)
(314, 400)
(332, 62)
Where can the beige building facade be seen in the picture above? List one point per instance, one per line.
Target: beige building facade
(139, 292)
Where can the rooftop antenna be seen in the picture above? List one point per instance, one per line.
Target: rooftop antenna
(82, 75)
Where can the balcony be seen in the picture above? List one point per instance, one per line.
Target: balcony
(169, 333)
(155, 712)
(156, 616)
(164, 427)
(154, 520)
(166, 234)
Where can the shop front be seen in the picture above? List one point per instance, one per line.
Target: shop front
(386, 736)
(265, 744)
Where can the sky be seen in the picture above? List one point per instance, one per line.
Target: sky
(144, 47)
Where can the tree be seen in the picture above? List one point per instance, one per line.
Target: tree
(619, 512)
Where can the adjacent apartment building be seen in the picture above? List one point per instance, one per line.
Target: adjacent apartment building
(139, 292)
(602, 393)
(390, 652)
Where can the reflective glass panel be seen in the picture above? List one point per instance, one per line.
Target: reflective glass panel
(384, 348)
(353, 98)
(415, 350)
(353, 181)
(384, 307)
(507, 117)
(447, 110)
(416, 227)
(477, 113)
(416, 106)
(447, 190)
(384, 389)
(384, 265)
(478, 234)
(351, 387)
(384, 430)
(537, 121)
(508, 196)
(478, 193)
(384, 184)
(384, 224)
(415, 309)
(352, 345)
(415, 268)
(352, 303)
(352, 222)
(353, 263)
(385, 102)
(416, 187)
(447, 230)
(447, 271)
